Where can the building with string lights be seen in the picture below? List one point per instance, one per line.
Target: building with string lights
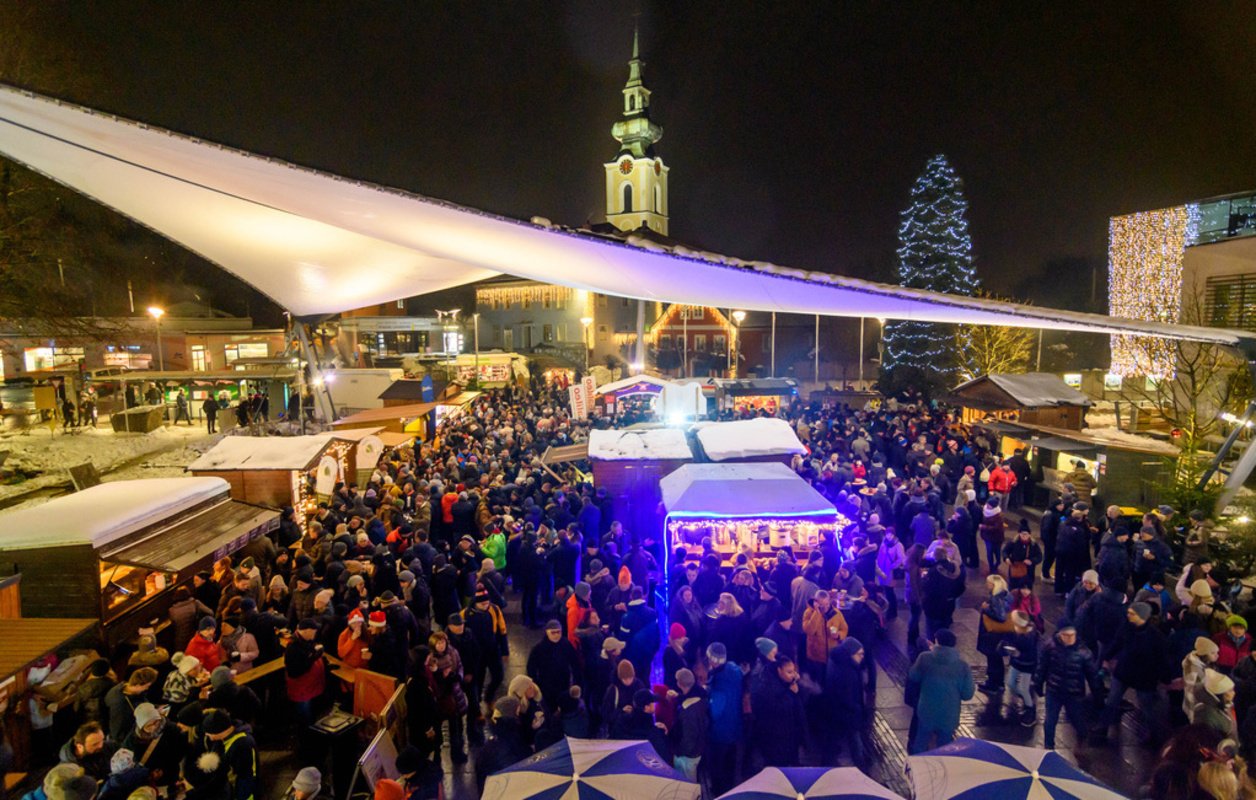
(1194, 264)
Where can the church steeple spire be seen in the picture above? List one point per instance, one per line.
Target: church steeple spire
(636, 133)
(636, 181)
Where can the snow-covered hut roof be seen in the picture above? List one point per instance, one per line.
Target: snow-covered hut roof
(105, 512)
(262, 452)
(748, 438)
(741, 490)
(318, 243)
(1030, 390)
(659, 444)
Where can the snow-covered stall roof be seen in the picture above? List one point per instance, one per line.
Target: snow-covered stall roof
(741, 490)
(660, 444)
(630, 381)
(317, 243)
(262, 452)
(748, 438)
(106, 512)
(1033, 389)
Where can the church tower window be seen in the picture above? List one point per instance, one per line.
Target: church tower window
(627, 198)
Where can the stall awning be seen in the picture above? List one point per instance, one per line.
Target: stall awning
(760, 387)
(390, 414)
(741, 490)
(23, 641)
(571, 452)
(1009, 428)
(217, 531)
(460, 399)
(1062, 445)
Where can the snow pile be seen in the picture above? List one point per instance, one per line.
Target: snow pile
(105, 513)
(761, 436)
(653, 445)
(261, 452)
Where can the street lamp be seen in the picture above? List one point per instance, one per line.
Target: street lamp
(586, 322)
(738, 318)
(476, 319)
(157, 313)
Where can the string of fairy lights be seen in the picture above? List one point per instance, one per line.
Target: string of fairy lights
(1145, 254)
(935, 254)
(544, 295)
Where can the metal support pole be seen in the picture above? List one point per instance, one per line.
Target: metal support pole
(476, 319)
(323, 398)
(641, 334)
(161, 357)
(1038, 367)
(684, 349)
(861, 351)
(817, 354)
(773, 344)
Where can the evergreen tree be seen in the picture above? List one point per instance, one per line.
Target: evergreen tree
(934, 253)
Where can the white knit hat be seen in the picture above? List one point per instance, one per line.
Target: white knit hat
(1216, 683)
(1201, 589)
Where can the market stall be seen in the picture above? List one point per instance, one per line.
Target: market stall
(639, 390)
(114, 552)
(755, 395)
(752, 508)
(414, 419)
(453, 406)
(748, 441)
(629, 464)
(495, 369)
(1037, 398)
(275, 471)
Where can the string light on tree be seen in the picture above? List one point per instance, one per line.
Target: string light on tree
(934, 253)
(1145, 253)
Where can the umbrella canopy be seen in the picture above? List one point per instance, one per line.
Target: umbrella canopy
(591, 769)
(810, 783)
(971, 769)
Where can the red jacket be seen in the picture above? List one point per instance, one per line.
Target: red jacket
(1230, 653)
(205, 651)
(1002, 480)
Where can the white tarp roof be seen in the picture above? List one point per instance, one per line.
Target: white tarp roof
(105, 512)
(740, 490)
(632, 380)
(261, 452)
(653, 445)
(1035, 389)
(748, 438)
(319, 244)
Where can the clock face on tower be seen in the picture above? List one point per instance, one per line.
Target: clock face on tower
(625, 166)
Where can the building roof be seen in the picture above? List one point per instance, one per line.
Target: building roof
(1031, 390)
(390, 414)
(105, 513)
(226, 527)
(648, 383)
(749, 438)
(659, 444)
(24, 641)
(741, 490)
(262, 453)
(406, 389)
(745, 387)
(317, 243)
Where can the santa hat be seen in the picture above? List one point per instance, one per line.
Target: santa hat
(356, 617)
(377, 619)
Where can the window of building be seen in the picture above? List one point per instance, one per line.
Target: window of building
(198, 358)
(1230, 301)
(658, 199)
(562, 331)
(718, 343)
(524, 304)
(601, 301)
(627, 192)
(624, 302)
(401, 304)
(547, 333)
(603, 334)
(665, 341)
(497, 335)
(699, 342)
(547, 301)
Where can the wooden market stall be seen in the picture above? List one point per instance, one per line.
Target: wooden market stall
(114, 552)
(1036, 398)
(752, 395)
(629, 464)
(748, 441)
(414, 419)
(753, 508)
(274, 470)
(642, 387)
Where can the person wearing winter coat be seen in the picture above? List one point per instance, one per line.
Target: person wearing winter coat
(445, 599)
(724, 690)
(639, 724)
(507, 745)
(639, 628)
(554, 664)
(844, 704)
(824, 627)
(1140, 652)
(1101, 620)
(1233, 644)
(992, 626)
(1022, 556)
(240, 702)
(688, 613)
(1021, 647)
(1196, 663)
(185, 612)
(618, 697)
(304, 670)
(941, 587)
(1072, 549)
(779, 716)
(688, 736)
(237, 644)
(1215, 709)
(1002, 480)
(890, 558)
(732, 627)
(991, 531)
(1079, 594)
(445, 666)
(122, 700)
(1113, 564)
(939, 682)
(1151, 556)
(1065, 669)
(675, 655)
(707, 585)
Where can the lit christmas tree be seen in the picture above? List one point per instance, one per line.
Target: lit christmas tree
(934, 253)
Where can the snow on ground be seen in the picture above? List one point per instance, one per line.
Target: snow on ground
(163, 453)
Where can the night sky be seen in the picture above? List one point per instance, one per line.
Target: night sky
(793, 131)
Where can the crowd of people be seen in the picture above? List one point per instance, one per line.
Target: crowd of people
(722, 667)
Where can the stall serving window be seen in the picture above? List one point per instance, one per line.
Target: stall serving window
(123, 587)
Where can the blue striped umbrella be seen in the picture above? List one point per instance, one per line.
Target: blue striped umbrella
(591, 769)
(810, 783)
(972, 769)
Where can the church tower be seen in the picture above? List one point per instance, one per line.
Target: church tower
(636, 181)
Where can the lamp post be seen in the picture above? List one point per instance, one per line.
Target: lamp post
(586, 322)
(157, 314)
(881, 343)
(738, 318)
(475, 318)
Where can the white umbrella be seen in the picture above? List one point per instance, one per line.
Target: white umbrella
(972, 769)
(810, 783)
(591, 769)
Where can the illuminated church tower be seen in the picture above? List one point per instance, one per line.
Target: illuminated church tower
(636, 181)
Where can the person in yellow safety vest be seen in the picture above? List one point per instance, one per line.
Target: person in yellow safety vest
(239, 751)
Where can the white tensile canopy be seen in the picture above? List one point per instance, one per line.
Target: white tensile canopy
(319, 244)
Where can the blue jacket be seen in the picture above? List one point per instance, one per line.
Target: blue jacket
(725, 692)
(944, 681)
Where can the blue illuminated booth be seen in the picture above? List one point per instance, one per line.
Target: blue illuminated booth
(752, 508)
